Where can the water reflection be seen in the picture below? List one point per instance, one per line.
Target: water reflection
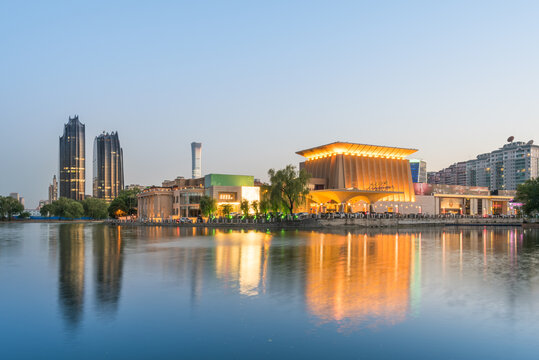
(359, 278)
(108, 263)
(71, 271)
(351, 279)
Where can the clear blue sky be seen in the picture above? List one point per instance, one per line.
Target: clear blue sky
(255, 81)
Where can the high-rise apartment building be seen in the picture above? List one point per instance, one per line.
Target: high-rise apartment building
(196, 153)
(108, 166)
(72, 160)
(501, 169)
(53, 190)
(419, 170)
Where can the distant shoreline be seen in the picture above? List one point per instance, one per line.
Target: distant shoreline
(20, 221)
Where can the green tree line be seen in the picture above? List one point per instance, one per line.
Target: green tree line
(124, 205)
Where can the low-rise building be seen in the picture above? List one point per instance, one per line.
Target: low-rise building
(155, 203)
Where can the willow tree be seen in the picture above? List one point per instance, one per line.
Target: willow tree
(208, 205)
(289, 188)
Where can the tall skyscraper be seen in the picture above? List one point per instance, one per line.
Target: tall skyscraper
(108, 166)
(196, 152)
(53, 190)
(73, 160)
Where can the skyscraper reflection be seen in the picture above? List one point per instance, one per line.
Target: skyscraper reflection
(71, 272)
(108, 262)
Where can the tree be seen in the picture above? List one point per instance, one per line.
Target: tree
(255, 205)
(226, 209)
(95, 208)
(46, 210)
(125, 204)
(24, 215)
(208, 205)
(244, 206)
(67, 208)
(528, 194)
(288, 188)
(9, 207)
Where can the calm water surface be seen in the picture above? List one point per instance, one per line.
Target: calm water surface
(87, 291)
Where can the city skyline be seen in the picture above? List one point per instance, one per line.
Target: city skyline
(454, 80)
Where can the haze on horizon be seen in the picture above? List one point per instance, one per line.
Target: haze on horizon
(257, 81)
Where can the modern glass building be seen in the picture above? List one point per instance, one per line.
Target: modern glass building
(196, 153)
(72, 160)
(419, 170)
(108, 166)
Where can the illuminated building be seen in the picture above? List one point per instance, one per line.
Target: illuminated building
(439, 199)
(196, 161)
(173, 202)
(347, 173)
(186, 202)
(72, 160)
(108, 166)
(231, 189)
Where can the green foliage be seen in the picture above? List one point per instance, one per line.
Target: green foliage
(125, 204)
(288, 188)
(255, 205)
(95, 208)
(46, 210)
(265, 202)
(226, 209)
(528, 194)
(24, 215)
(9, 207)
(244, 206)
(65, 207)
(208, 205)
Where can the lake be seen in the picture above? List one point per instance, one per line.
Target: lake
(87, 291)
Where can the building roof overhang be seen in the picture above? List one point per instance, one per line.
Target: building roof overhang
(347, 148)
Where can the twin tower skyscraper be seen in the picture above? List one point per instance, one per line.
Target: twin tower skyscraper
(108, 169)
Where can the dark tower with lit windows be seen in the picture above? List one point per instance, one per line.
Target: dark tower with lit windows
(73, 160)
(108, 166)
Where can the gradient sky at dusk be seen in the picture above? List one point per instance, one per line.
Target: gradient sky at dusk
(255, 81)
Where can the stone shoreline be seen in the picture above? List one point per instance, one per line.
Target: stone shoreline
(343, 223)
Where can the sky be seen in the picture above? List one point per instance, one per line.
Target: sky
(256, 81)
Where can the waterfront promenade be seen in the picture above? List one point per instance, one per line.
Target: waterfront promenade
(346, 222)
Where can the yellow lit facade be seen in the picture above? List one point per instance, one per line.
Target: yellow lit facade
(348, 172)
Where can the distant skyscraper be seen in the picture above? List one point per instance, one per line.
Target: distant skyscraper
(419, 170)
(72, 160)
(53, 190)
(108, 166)
(196, 152)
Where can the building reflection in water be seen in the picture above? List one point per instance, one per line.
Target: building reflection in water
(108, 262)
(242, 258)
(361, 279)
(71, 272)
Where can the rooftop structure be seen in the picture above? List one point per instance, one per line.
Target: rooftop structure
(345, 148)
